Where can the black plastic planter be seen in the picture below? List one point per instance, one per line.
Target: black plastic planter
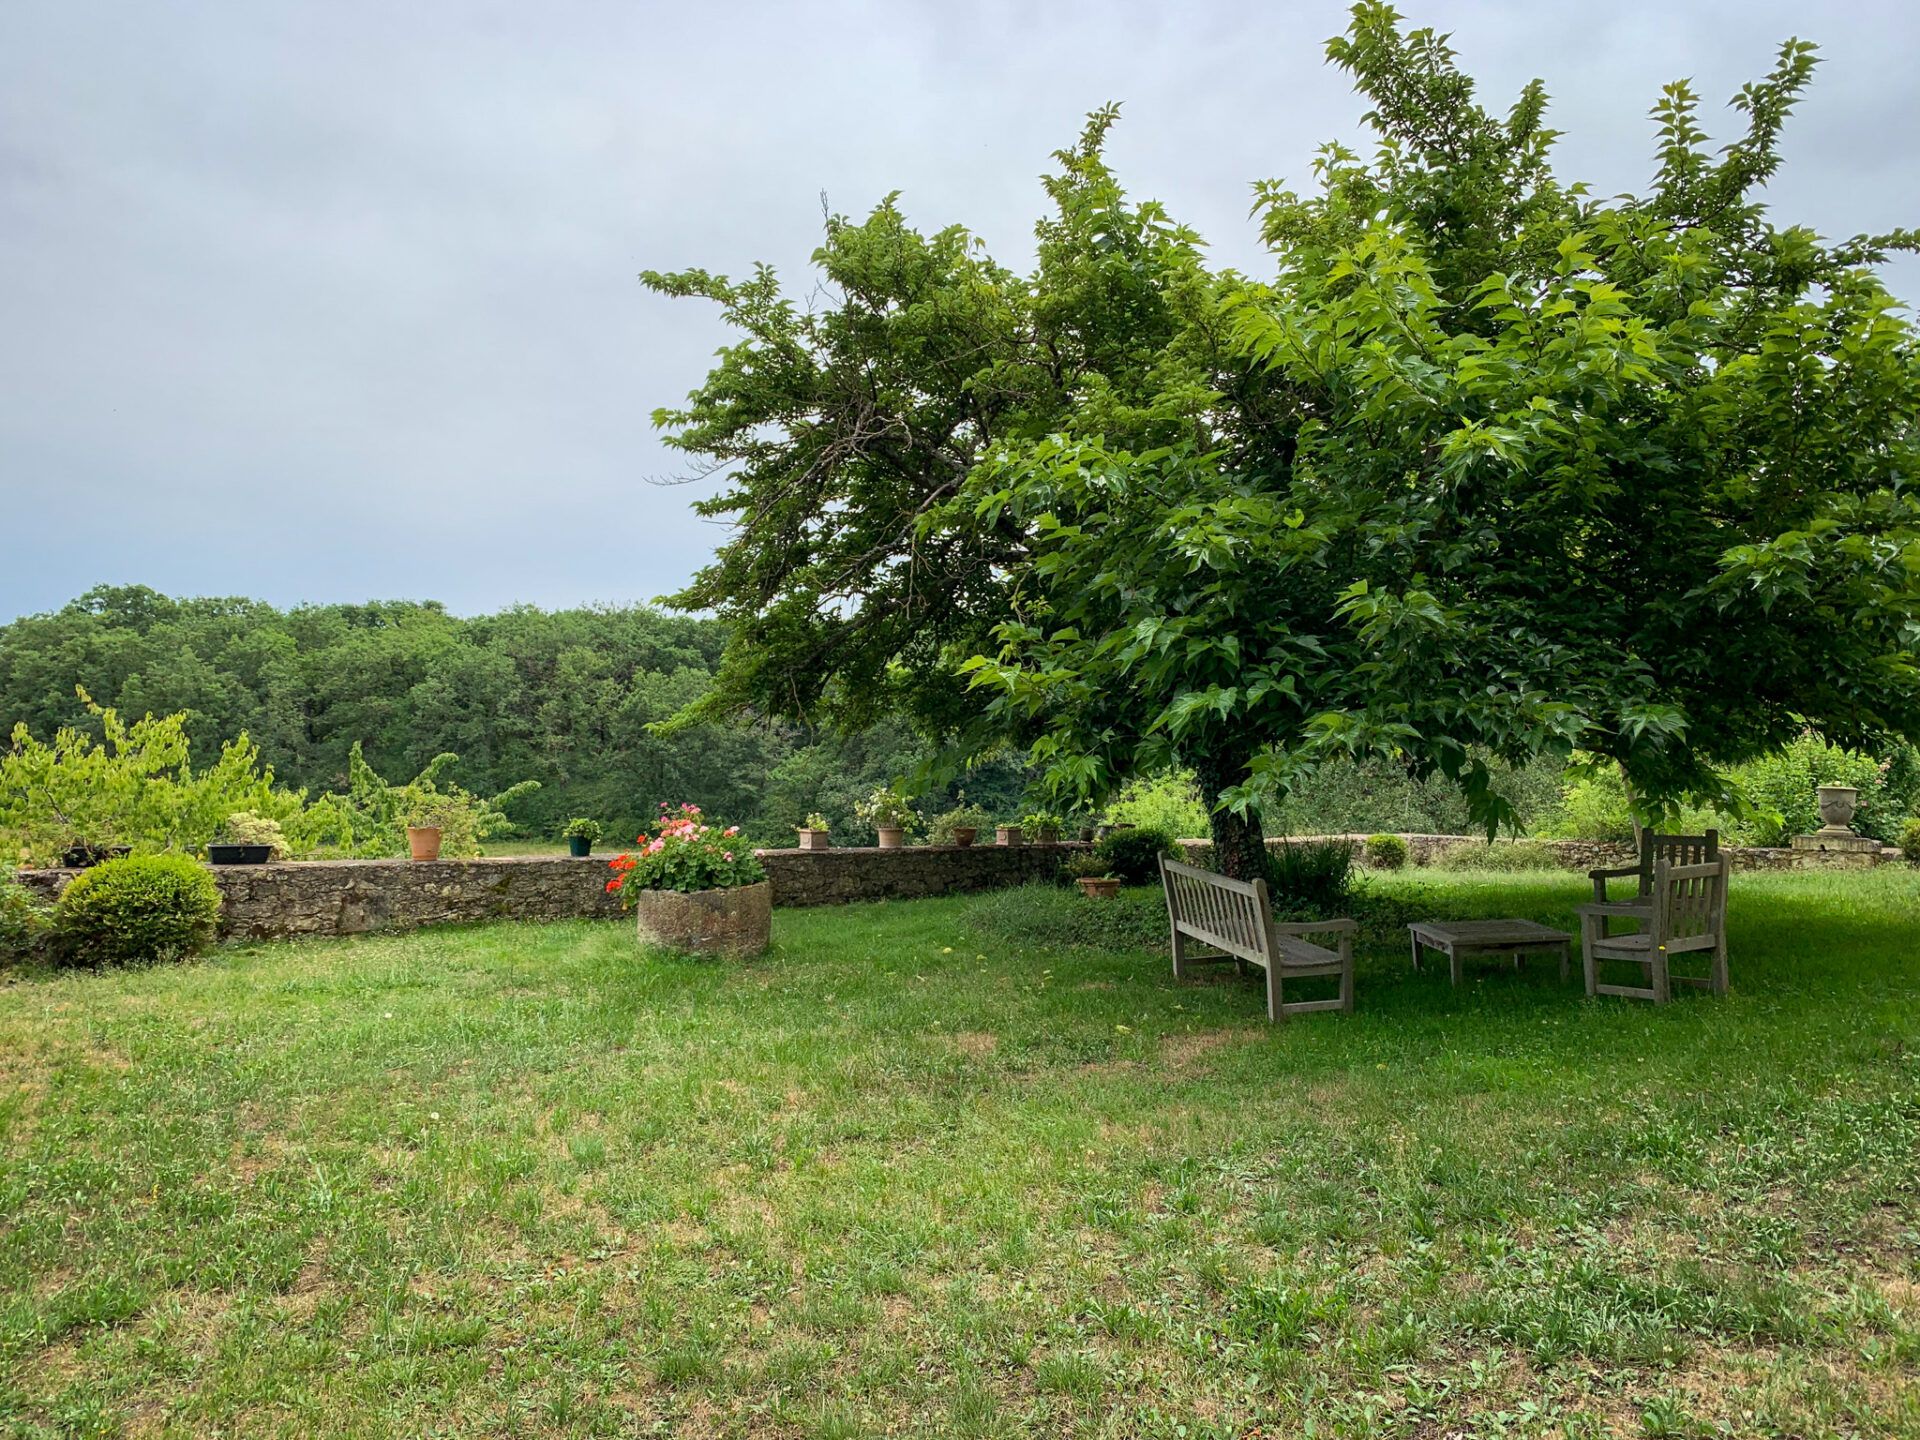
(579, 845)
(84, 856)
(239, 854)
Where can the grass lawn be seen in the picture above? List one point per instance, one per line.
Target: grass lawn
(891, 1180)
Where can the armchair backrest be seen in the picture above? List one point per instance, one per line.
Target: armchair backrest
(1689, 904)
(1675, 850)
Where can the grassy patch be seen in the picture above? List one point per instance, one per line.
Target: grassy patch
(899, 1178)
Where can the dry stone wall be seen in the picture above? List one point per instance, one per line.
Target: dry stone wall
(350, 897)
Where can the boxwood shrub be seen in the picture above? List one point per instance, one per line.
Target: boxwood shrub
(1134, 854)
(141, 908)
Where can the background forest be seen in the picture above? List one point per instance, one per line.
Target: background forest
(567, 698)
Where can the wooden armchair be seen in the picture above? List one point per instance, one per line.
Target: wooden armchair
(1683, 912)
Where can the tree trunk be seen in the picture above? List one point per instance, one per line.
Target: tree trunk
(1239, 844)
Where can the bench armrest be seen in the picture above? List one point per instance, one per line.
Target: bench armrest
(1316, 927)
(1619, 874)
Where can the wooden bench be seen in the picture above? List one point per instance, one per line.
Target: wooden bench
(1235, 918)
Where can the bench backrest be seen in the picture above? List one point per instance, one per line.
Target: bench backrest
(1230, 915)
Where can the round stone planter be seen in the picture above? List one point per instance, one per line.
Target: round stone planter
(892, 837)
(735, 922)
(965, 835)
(1098, 887)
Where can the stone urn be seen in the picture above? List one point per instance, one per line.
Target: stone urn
(1837, 803)
(735, 922)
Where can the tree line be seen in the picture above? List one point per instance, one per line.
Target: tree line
(564, 697)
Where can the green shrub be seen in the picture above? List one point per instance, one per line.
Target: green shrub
(1085, 865)
(144, 907)
(1310, 879)
(1910, 842)
(23, 921)
(1048, 917)
(581, 828)
(1169, 801)
(1134, 855)
(1386, 852)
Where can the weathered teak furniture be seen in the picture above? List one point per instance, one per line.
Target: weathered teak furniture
(1674, 849)
(1684, 912)
(1457, 939)
(1233, 917)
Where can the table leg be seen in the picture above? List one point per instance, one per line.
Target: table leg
(1416, 953)
(1453, 964)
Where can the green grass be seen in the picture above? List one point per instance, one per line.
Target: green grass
(890, 1179)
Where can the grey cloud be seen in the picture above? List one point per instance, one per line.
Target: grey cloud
(334, 300)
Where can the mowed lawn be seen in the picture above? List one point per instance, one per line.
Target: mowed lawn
(890, 1179)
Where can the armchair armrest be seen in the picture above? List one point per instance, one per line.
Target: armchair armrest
(1616, 874)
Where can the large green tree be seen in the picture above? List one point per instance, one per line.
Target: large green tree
(1485, 467)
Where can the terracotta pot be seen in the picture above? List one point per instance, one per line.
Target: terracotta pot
(1006, 835)
(892, 837)
(1048, 836)
(423, 842)
(815, 839)
(736, 922)
(965, 835)
(1098, 887)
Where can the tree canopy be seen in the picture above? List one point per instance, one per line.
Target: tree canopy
(1485, 466)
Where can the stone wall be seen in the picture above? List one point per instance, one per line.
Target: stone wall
(349, 897)
(833, 877)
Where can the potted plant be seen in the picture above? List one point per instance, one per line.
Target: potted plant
(1006, 835)
(580, 835)
(247, 839)
(1090, 873)
(84, 854)
(959, 826)
(695, 887)
(814, 835)
(889, 813)
(1042, 827)
(427, 817)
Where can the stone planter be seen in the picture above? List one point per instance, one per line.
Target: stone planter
(735, 922)
(423, 842)
(1047, 836)
(892, 837)
(1837, 804)
(815, 839)
(1006, 835)
(1098, 887)
(965, 835)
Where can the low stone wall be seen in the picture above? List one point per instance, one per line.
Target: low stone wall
(351, 897)
(834, 877)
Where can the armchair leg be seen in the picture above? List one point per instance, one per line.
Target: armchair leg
(1660, 976)
(1346, 974)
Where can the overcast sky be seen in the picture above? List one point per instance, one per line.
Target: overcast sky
(337, 300)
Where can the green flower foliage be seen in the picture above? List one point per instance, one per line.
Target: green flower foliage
(961, 817)
(137, 909)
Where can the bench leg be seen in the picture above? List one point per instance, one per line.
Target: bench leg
(1179, 956)
(1346, 974)
(1276, 996)
(1587, 964)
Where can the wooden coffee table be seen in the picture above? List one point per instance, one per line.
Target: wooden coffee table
(1457, 939)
